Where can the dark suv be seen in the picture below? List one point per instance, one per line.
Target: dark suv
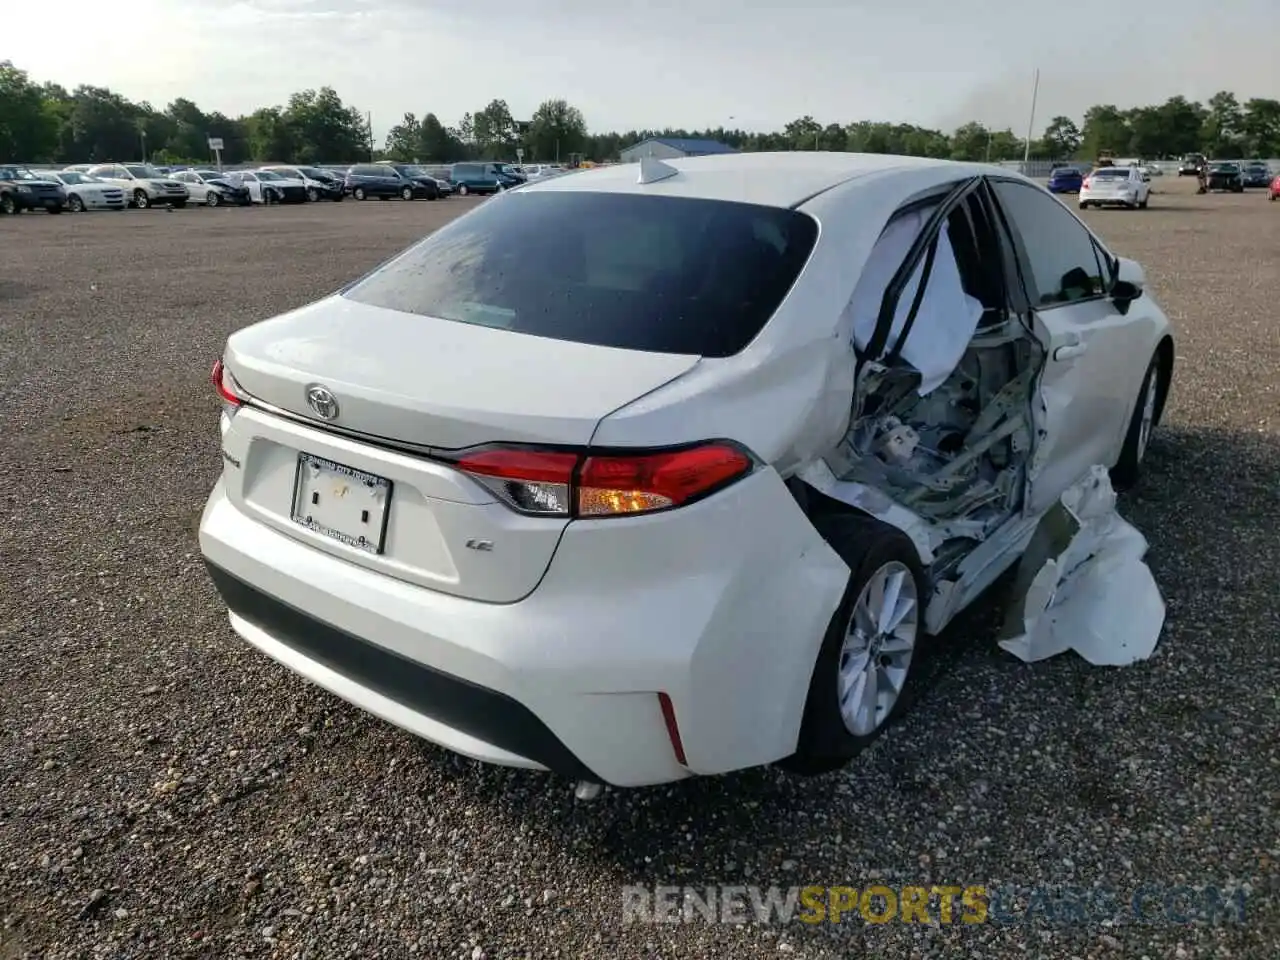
(20, 189)
(478, 178)
(418, 176)
(366, 180)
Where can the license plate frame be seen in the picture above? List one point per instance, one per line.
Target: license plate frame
(368, 511)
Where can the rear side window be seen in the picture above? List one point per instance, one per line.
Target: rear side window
(660, 274)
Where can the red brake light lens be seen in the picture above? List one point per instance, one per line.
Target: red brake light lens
(225, 384)
(613, 485)
(565, 484)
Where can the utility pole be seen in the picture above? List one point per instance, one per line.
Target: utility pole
(1031, 123)
(368, 119)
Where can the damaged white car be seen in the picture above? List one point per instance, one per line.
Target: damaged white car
(665, 469)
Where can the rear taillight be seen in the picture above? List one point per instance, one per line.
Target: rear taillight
(225, 384)
(582, 484)
(1086, 182)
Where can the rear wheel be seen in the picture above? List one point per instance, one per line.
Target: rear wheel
(75, 204)
(862, 678)
(1084, 204)
(462, 190)
(7, 204)
(141, 200)
(406, 193)
(358, 193)
(211, 198)
(313, 194)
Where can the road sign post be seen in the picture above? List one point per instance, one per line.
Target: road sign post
(215, 144)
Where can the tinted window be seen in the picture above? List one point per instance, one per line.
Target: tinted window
(1112, 173)
(662, 274)
(1063, 259)
(466, 170)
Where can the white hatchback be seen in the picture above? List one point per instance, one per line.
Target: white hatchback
(666, 468)
(1116, 186)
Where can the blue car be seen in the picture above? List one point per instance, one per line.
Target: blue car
(1065, 180)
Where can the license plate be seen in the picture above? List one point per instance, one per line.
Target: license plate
(346, 505)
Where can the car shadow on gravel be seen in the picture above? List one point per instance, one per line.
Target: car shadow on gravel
(707, 830)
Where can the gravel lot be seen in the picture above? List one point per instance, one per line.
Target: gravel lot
(166, 792)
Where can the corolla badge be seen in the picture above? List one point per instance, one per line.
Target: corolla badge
(321, 400)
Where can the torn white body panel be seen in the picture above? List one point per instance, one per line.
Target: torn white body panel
(947, 317)
(1083, 584)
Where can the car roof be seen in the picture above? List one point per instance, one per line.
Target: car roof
(783, 179)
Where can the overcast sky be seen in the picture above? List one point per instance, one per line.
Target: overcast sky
(679, 63)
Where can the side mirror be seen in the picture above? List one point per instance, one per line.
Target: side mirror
(1129, 283)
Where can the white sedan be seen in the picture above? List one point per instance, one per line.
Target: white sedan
(638, 511)
(88, 193)
(1116, 186)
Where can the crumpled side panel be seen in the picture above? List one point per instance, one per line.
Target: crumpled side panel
(1083, 584)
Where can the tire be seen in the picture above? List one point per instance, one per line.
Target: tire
(1084, 204)
(179, 204)
(75, 204)
(462, 190)
(1143, 204)
(358, 193)
(1145, 418)
(875, 552)
(141, 200)
(406, 193)
(8, 205)
(312, 194)
(211, 199)
(55, 210)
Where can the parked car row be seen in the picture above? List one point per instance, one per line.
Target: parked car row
(116, 186)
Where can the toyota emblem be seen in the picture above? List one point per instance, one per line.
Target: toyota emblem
(321, 400)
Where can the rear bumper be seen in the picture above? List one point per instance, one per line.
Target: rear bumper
(725, 617)
(347, 664)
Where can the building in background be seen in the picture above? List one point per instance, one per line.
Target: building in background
(672, 148)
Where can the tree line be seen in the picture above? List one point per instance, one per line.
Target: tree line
(44, 122)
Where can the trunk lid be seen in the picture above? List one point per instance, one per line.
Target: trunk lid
(441, 383)
(424, 381)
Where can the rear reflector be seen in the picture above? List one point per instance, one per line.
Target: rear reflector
(673, 729)
(563, 483)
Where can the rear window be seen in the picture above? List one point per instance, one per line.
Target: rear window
(659, 274)
(1119, 173)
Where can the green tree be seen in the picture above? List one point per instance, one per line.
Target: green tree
(465, 134)
(271, 136)
(404, 140)
(1223, 125)
(1061, 139)
(1261, 127)
(494, 130)
(28, 127)
(556, 131)
(803, 134)
(1105, 128)
(973, 142)
(324, 128)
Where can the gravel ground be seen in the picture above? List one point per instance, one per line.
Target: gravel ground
(166, 792)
